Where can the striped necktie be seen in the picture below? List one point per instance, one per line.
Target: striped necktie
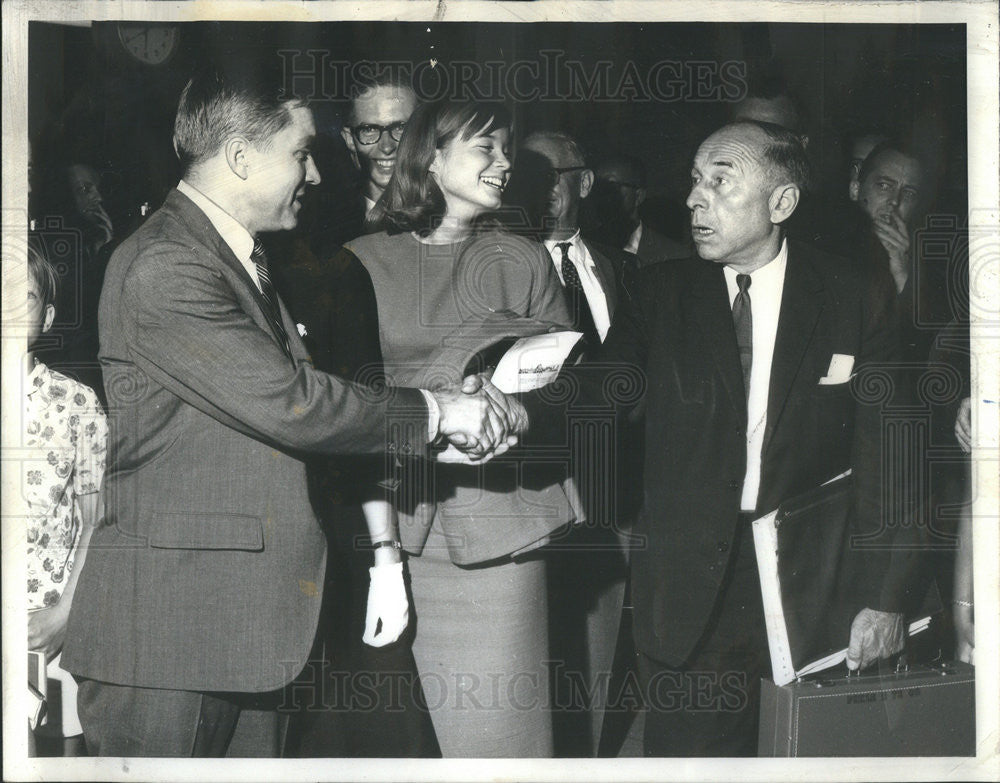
(273, 312)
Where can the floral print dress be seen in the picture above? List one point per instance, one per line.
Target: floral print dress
(64, 447)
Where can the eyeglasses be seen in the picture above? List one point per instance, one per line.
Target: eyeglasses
(372, 134)
(551, 175)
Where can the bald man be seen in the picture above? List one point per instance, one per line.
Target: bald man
(748, 406)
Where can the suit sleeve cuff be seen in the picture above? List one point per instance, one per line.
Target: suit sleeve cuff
(434, 415)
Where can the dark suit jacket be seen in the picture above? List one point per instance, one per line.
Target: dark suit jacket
(655, 247)
(208, 572)
(675, 339)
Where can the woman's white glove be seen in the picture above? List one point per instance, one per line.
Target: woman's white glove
(387, 604)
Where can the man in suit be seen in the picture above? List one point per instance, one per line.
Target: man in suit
(745, 354)
(200, 597)
(588, 566)
(620, 188)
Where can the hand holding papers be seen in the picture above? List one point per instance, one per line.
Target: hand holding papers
(529, 364)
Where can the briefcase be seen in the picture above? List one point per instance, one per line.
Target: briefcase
(925, 711)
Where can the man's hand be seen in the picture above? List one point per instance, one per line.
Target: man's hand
(963, 425)
(874, 635)
(473, 422)
(894, 235)
(514, 413)
(46, 630)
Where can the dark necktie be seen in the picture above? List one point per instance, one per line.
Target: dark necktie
(743, 321)
(273, 312)
(583, 319)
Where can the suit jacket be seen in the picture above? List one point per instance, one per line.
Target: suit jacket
(208, 572)
(675, 341)
(655, 247)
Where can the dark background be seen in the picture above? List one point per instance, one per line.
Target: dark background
(89, 101)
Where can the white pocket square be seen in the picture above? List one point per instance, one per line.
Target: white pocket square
(840, 370)
(301, 330)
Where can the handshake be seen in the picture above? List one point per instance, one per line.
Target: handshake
(478, 419)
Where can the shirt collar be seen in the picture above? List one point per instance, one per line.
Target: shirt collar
(574, 241)
(233, 232)
(767, 275)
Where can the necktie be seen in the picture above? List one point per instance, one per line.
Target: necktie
(583, 320)
(743, 321)
(273, 312)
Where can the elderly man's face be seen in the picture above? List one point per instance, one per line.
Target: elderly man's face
(568, 188)
(891, 186)
(730, 215)
(382, 106)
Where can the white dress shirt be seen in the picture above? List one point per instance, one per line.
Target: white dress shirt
(766, 285)
(585, 268)
(233, 232)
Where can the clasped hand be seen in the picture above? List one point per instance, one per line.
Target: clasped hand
(479, 419)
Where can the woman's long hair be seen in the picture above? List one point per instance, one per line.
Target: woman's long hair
(412, 200)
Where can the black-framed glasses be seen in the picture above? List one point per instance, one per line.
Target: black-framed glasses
(552, 174)
(369, 133)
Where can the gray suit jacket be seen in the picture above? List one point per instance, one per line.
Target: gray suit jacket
(208, 572)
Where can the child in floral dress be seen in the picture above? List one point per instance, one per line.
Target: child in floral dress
(64, 440)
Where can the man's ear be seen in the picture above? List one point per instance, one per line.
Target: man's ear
(348, 137)
(855, 190)
(782, 202)
(236, 150)
(586, 182)
(640, 197)
(50, 316)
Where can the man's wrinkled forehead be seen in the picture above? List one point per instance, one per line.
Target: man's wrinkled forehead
(737, 150)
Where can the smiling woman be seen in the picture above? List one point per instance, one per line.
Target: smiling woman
(445, 290)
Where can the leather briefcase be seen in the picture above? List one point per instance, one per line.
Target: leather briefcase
(924, 711)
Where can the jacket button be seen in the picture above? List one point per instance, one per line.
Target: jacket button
(711, 567)
(723, 546)
(734, 484)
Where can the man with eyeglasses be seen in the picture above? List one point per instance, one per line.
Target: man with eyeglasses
(588, 567)
(620, 189)
(376, 121)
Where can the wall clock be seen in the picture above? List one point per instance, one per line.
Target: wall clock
(150, 44)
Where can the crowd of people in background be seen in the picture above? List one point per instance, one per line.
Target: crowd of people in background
(282, 565)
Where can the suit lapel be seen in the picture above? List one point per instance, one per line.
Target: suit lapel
(710, 303)
(801, 306)
(606, 274)
(201, 227)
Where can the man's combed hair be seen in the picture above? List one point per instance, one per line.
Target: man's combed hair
(574, 148)
(383, 78)
(783, 154)
(221, 102)
(412, 201)
(892, 144)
